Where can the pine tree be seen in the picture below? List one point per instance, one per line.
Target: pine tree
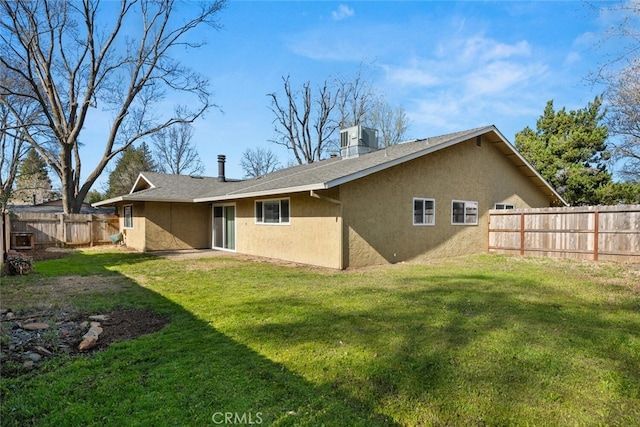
(128, 167)
(33, 185)
(569, 150)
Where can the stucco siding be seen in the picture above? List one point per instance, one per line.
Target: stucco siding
(134, 237)
(313, 235)
(175, 226)
(378, 209)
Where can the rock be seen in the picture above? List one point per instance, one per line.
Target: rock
(28, 365)
(94, 331)
(34, 356)
(42, 351)
(99, 317)
(35, 326)
(88, 343)
(10, 316)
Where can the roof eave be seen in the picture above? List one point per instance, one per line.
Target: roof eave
(428, 150)
(551, 191)
(107, 202)
(265, 193)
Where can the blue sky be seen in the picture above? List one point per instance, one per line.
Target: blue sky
(451, 65)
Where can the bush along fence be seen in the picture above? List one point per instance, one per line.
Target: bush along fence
(39, 230)
(607, 233)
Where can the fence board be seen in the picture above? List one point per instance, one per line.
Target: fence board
(58, 229)
(594, 232)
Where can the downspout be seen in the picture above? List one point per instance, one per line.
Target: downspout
(312, 193)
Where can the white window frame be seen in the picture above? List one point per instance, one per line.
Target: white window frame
(130, 217)
(467, 204)
(261, 219)
(424, 201)
(504, 206)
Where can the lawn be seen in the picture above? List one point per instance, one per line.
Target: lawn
(481, 340)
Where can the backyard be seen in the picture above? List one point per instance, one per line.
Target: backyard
(222, 339)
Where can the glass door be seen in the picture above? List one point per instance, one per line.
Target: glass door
(224, 227)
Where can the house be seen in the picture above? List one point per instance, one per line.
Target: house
(413, 201)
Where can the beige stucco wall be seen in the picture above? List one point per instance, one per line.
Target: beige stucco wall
(312, 237)
(134, 237)
(175, 226)
(378, 209)
(168, 226)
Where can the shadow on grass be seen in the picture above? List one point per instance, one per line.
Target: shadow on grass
(471, 347)
(187, 374)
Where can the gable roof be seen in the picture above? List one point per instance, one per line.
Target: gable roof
(320, 175)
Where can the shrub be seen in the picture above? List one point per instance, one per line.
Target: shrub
(18, 264)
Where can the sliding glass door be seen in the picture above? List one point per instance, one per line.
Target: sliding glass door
(224, 227)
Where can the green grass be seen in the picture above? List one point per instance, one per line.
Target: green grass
(468, 341)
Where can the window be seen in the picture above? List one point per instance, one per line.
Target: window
(504, 206)
(424, 212)
(272, 211)
(463, 212)
(128, 216)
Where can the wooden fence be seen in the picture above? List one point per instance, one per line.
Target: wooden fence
(608, 233)
(37, 230)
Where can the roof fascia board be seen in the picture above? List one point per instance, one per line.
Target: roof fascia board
(107, 201)
(141, 176)
(265, 193)
(135, 199)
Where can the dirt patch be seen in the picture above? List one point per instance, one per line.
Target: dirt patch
(50, 292)
(60, 331)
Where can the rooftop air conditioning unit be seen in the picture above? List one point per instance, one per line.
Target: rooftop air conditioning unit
(357, 140)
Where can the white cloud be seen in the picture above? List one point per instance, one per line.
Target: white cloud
(343, 12)
(498, 77)
(572, 58)
(412, 76)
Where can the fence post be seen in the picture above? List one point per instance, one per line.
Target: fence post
(522, 233)
(596, 226)
(91, 231)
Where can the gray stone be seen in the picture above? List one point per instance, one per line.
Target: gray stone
(34, 356)
(99, 317)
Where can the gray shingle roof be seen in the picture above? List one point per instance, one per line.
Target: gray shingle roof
(314, 176)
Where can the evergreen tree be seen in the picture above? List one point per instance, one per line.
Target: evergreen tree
(569, 150)
(33, 185)
(128, 167)
(94, 196)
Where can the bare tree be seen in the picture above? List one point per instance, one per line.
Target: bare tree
(303, 121)
(620, 73)
(14, 150)
(355, 98)
(258, 161)
(623, 118)
(72, 55)
(392, 124)
(175, 154)
(14, 113)
(307, 125)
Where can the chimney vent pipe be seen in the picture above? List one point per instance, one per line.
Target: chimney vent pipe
(221, 161)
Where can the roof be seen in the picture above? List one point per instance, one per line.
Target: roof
(320, 175)
(55, 206)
